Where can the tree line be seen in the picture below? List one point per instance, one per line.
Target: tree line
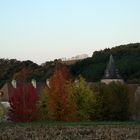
(127, 58)
(67, 99)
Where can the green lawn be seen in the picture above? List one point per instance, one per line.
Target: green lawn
(56, 123)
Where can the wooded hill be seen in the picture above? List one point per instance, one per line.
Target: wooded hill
(127, 59)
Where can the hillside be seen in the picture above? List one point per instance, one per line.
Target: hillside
(127, 58)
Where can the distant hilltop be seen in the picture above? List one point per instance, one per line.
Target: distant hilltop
(77, 57)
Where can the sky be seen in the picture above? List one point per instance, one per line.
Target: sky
(43, 30)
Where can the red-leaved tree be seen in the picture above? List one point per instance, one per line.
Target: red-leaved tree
(23, 104)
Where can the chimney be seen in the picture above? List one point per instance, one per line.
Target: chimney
(76, 81)
(34, 83)
(14, 83)
(48, 83)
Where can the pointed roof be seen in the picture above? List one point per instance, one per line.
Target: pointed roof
(111, 71)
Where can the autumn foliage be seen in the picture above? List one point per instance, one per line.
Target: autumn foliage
(68, 100)
(23, 104)
(61, 102)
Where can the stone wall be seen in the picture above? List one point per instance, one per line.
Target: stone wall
(108, 81)
(118, 132)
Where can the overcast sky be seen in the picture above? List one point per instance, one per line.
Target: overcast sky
(42, 30)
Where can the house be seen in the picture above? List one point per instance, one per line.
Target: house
(8, 89)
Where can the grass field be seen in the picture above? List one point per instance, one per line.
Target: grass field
(56, 123)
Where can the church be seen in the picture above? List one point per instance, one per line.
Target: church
(111, 73)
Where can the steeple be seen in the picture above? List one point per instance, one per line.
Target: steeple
(111, 73)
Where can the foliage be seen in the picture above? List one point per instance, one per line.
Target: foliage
(92, 69)
(60, 98)
(100, 103)
(22, 74)
(43, 105)
(118, 101)
(2, 112)
(23, 104)
(11, 67)
(83, 97)
(64, 99)
(111, 102)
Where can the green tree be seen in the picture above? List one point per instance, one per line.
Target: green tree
(118, 101)
(111, 102)
(100, 103)
(83, 97)
(43, 105)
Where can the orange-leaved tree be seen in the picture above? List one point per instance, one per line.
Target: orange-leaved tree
(61, 104)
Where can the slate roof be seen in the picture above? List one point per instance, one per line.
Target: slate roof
(7, 90)
(111, 71)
